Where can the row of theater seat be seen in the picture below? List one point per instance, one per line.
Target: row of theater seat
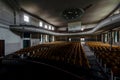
(108, 56)
(67, 52)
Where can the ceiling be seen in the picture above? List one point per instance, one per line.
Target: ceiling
(51, 10)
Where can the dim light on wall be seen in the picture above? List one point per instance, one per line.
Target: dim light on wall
(82, 28)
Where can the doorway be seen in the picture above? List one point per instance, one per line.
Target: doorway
(2, 48)
(26, 43)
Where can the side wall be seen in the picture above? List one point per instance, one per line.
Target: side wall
(12, 41)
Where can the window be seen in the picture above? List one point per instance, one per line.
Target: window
(40, 23)
(46, 38)
(41, 38)
(53, 28)
(50, 27)
(46, 26)
(117, 12)
(106, 37)
(116, 36)
(53, 38)
(26, 18)
(82, 39)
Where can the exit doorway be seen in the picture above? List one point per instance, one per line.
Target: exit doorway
(26, 43)
(2, 48)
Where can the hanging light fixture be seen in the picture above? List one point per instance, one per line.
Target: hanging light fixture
(72, 13)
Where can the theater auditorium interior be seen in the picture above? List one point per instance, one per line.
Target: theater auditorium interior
(59, 39)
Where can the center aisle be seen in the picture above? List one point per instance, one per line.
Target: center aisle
(96, 70)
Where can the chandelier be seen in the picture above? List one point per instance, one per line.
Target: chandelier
(72, 13)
